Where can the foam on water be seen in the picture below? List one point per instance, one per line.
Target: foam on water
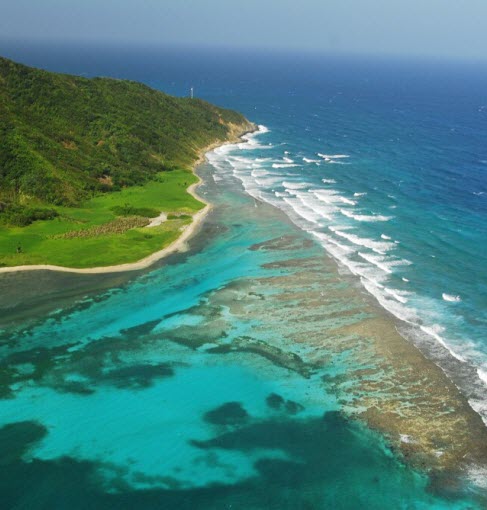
(451, 298)
(365, 217)
(397, 294)
(348, 201)
(385, 263)
(377, 246)
(332, 156)
(435, 330)
(377, 261)
(482, 375)
(310, 201)
(418, 158)
(295, 185)
(316, 210)
(328, 239)
(284, 165)
(302, 210)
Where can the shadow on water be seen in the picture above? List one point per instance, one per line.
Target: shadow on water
(312, 470)
(121, 339)
(25, 296)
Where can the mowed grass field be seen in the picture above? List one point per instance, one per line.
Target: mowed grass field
(41, 242)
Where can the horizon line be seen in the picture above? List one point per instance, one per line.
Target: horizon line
(263, 50)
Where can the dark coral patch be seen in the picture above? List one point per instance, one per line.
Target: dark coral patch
(275, 401)
(293, 407)
(137, 376)
(16, 438)
(231, 413)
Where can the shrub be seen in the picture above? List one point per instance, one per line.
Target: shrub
(129, 210)
(18, 216)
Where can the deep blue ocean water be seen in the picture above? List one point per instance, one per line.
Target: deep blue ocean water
(384, 163)
(406, 209)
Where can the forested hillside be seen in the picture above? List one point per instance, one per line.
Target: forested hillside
(64, 139)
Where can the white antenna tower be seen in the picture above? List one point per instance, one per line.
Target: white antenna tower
(192, 92)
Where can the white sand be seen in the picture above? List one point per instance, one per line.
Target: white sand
(178, 245)
(158, 220)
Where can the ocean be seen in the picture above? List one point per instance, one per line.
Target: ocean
(353, 220)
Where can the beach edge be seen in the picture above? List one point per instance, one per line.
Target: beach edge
(177, 245)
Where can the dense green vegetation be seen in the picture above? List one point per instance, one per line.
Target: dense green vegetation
(130, 210)
(76, 153)
(64, 138)
(52, 242)
(21, 216)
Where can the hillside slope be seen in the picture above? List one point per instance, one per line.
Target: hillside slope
(64, 138)
(87, 164)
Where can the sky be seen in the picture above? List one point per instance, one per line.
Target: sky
(440, 28)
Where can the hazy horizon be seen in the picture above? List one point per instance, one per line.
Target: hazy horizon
(16, 49)
(349, 27)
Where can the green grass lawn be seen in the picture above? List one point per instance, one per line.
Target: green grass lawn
(40, 246)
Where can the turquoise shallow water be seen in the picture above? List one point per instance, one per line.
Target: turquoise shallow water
(187, 386)
(227, 376)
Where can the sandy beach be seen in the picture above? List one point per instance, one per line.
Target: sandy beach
(305, 317)
(178, 245)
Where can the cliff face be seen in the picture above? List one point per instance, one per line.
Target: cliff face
(65, 138)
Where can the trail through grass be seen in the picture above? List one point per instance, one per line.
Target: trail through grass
(41, 242)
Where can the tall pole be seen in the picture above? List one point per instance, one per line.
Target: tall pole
(192, 92)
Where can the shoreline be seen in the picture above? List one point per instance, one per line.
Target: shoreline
(175, 246)
(424, 420)
(424, 415)
(411, 431)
